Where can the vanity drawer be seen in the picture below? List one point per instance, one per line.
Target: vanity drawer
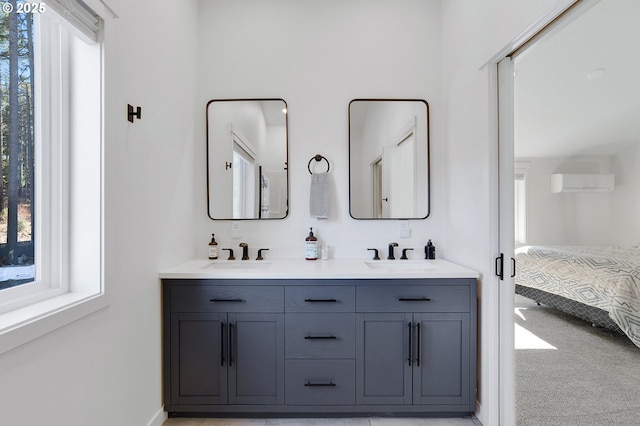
(209, 298)
(320, 299)
(436, 298)
(320, 382)
(320, 335)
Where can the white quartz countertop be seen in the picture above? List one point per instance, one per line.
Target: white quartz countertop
(317, 269)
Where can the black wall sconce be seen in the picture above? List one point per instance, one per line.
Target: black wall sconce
(134, 114)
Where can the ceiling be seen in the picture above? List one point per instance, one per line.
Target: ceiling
(576, 89)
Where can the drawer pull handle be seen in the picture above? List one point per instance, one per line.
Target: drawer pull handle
(226, 300)
(414, 299)
(320, 337)
(320, 300)
(319, 384)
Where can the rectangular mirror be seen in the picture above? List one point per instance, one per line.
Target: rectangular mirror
(388, 159)
(247, 149)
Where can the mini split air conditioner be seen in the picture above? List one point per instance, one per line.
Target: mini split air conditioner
(582, 182)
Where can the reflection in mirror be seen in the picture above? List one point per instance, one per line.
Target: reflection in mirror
(247, 174)
(388, 159)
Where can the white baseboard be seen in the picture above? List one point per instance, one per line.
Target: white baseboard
(159, 418)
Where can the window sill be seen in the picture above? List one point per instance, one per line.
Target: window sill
(23, 325)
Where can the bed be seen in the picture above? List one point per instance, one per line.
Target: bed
(598, 284)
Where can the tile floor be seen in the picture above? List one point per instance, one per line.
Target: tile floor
(371, 421)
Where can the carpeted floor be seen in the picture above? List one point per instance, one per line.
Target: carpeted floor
(570, 373)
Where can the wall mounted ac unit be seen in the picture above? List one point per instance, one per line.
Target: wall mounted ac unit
(582, 182)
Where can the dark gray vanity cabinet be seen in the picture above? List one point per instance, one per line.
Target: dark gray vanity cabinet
(414, 345)
(413, 358)
(320, 345)
(283, 346)
(200, 373)
(224, 345)
(441, 363)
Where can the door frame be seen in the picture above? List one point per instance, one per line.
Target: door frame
(500, 68)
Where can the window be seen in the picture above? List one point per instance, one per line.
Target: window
(16, 149)
(51, 148)
(244, 178)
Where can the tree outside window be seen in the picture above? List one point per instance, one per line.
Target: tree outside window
(16, 148)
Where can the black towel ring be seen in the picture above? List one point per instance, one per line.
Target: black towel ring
(318, 157)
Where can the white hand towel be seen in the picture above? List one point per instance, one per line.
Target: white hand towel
(319, 195)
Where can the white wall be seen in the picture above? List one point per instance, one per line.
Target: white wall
(625, 203)
(609, 218)
(567, 218)
(473, 32)
(318, 56)
(105, 368)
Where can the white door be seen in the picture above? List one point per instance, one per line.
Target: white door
(505, 265)
(402, 179)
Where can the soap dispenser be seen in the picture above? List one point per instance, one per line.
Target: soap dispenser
(429, 250)
(213, 247)
(311, 246)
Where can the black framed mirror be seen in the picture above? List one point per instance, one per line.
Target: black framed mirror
(389, 159)
(247, 159)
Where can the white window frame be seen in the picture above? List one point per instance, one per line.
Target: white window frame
(51, 164)
(30, 310)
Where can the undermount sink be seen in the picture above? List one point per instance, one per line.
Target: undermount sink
(239, 265)
(399, 265)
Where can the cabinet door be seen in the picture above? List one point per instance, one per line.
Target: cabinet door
(198, 375)
(256, 358)
(383, 353)
(441, 363)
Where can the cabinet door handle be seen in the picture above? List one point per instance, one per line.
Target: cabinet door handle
(221, 344)
(418, 349)
(320, 300)
(230, 344)
(226, 300)
(320, 337)
(414, 299)
(410, 346)
(319, 384)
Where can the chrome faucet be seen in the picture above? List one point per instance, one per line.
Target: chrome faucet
(391, 246)
(245, 251)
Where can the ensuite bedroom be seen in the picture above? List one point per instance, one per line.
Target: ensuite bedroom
(576, 208)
